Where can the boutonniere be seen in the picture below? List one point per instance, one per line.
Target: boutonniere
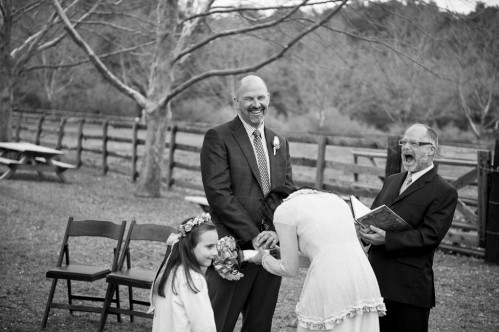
(276, 144)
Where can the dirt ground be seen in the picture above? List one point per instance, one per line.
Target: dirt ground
(34, 212)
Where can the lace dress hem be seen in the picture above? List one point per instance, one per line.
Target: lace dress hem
(313, 323)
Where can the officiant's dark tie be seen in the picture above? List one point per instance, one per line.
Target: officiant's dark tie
(407, 182)
(262, 162)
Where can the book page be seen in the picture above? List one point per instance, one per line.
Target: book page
(359, 209)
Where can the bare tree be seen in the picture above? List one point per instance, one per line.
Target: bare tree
(40, 31)
(176, 38)
(5, 69)
(475, 49)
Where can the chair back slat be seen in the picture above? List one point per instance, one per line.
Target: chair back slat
(143, 232)
(151, 232)
(100, 228)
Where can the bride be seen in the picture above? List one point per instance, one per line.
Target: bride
(340, 292)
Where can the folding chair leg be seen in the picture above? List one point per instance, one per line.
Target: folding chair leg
(107, 303)
(118, 316)
(49, 303)
(130, 300)
(70, 297)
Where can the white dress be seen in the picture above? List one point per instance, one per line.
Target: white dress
(340, 291)
(187, 311)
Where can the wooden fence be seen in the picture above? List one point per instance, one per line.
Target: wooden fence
(91, 139)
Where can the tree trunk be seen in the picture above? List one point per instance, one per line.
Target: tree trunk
(158, 113)
(6, 87)
(5, 103)
(150, 175)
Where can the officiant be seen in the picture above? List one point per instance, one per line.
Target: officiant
(403, 261)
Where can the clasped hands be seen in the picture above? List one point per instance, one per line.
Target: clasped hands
(372, 234)
(263, 242)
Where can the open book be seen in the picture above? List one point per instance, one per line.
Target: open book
(382, 217)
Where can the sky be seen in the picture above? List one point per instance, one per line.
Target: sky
(458, 6)
(463, 6)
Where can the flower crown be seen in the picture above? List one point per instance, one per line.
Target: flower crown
(187, 227)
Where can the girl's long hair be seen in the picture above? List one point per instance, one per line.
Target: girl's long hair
(181, 253)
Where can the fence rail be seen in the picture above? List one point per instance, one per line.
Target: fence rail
(121, 140)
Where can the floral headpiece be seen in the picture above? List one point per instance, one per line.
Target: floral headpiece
(187, 227)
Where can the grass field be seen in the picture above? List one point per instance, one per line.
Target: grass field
(34, 213)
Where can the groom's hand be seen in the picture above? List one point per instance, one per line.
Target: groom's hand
(266, 240)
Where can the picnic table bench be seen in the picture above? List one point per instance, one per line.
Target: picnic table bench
(31, 157)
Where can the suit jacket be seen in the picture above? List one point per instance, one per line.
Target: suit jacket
(231, 178)
(404, 265)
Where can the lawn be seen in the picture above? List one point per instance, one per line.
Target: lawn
(34, 213)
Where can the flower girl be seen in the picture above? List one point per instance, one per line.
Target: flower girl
(179, 295)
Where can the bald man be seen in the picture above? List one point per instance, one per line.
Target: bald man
(241, 161)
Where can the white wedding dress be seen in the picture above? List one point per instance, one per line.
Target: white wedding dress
(340, 292)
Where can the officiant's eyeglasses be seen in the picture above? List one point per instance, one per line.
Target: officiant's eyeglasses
(414, 144)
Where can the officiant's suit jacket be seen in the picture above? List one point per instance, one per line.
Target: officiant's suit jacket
(233, 188)
(404, 266)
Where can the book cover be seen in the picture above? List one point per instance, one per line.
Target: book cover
(382, 217)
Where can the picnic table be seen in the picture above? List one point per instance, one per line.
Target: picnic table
(200, 200)
(28, 156)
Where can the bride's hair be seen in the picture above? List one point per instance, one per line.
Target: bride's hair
(273, 199)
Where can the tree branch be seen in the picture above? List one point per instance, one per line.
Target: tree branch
(114, 26)
(80, 62)
(227, 72)
(232, 9)
(237, 31)
(57, 40)
(139, 98)
(33, 40)
(138, 18)
(467, 111)
(408, 19)
(23, 10)
(188, 29)
(376, 41)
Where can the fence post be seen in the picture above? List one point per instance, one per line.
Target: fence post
(39, 130)
(321, 159)
(483, 175)
(355, 161)
(105, 168)
(492, 224)
(60, 134)
(79, 143)
(18, 127)
(171, 158)
(393, 156)
(135, 128)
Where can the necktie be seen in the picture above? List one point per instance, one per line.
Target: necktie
(262, 162)
(407, 182)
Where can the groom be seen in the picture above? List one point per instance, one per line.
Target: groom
(241, 161)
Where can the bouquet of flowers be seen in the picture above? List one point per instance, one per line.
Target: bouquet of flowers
(229, 258)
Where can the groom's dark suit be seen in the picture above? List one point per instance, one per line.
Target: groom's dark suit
(233, 188)
(404, 265)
